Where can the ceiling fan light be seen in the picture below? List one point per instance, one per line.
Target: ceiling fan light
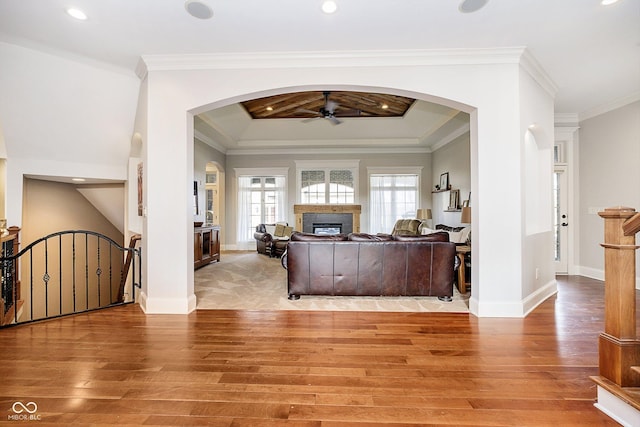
(329, 6)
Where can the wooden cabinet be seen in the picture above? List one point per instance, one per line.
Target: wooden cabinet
(206, 245)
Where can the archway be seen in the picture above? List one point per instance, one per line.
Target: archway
(503, 88)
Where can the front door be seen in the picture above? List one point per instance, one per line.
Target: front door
(560, 219)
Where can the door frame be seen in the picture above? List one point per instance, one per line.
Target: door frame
(562, 266)
(565, 154)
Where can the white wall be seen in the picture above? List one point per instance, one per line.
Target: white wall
(454, 158)
(609, 156)
(62, 117)
(537, 128)
(487, 86)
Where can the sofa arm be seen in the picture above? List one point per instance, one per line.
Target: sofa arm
(263, 237)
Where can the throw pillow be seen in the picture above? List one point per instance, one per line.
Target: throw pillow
(288, 231)
(279, 231)
(465, 237)
(456, 237)
(271, 229)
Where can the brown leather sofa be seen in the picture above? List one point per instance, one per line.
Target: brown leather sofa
(370, 265)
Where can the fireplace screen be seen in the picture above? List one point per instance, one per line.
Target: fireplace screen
(327, 228)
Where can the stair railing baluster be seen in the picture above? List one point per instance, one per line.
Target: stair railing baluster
(39, 263)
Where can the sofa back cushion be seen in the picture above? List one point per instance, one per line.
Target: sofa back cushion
(440, 236)
(299, 236)
(364, 237)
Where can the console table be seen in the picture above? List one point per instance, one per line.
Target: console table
(206, 245)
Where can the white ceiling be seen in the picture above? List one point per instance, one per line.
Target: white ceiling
(590, 51)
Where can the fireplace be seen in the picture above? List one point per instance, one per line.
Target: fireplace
(327, 219)
(326, 228)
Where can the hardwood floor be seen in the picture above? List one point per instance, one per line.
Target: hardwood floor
(260, 368)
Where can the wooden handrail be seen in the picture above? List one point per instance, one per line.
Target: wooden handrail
(619, 346)
(127, 264)
(632, 225)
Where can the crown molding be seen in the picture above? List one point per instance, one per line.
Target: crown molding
(566, 119)
(320, 143)
(409, 57)
(210, 142)
(529, 63)
(332, 150)
(451, 137)
(614, 105)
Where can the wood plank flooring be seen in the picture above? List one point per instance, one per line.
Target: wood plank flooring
(299, 368)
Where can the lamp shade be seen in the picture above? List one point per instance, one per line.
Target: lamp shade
(465, 218)
(423, 214)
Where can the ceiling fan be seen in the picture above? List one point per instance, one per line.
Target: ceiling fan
(326, 112)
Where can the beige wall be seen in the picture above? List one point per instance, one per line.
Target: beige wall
(609, 155)
(366, 160)
(51, 207)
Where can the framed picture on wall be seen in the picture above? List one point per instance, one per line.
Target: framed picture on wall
(444, 181)
(454, 200)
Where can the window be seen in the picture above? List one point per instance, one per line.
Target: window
(261, 200)
(392, 196)
(331, 182)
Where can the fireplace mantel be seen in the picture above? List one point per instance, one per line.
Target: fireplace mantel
(354, 210)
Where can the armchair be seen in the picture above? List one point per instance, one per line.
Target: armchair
(272, 239)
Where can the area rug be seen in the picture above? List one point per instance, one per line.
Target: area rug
(251, 281)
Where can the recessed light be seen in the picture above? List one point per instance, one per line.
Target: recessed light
(470, 6)
(329, 6)
(269, 108)
(78, 179)
(198, 9)
(608, 2)
(384, 106)
(77, 13)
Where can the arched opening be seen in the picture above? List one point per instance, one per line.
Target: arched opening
(279, 152)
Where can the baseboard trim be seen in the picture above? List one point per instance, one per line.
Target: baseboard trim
(597, 274)
(536, 298)
(167, 305)
(516, 309)
(617, 409)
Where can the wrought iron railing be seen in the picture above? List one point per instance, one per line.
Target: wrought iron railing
(65, 273)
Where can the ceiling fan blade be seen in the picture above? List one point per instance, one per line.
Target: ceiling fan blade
(310, 119)
(304, 110)
(349, 113)
(333, 120)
